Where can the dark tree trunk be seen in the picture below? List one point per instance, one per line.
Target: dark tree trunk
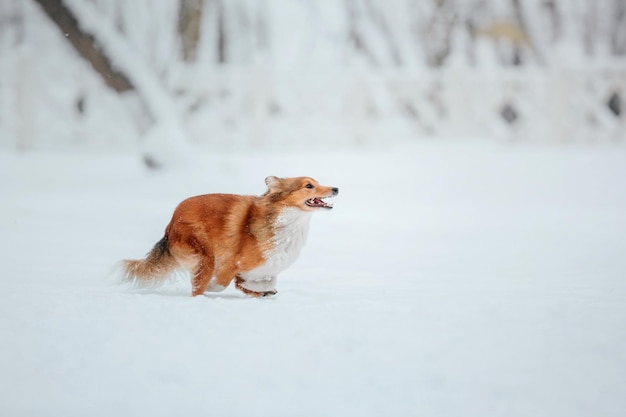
(618, 30)
(521, 22)
(221, 33)
(84, 44)
(189, 25)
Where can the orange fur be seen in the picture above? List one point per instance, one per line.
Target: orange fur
(219, 237)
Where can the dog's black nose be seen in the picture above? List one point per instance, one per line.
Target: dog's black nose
(335, 190)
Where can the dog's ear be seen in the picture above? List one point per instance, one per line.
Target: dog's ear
(273, 183)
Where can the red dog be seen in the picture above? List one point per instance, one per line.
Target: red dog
(220, 237)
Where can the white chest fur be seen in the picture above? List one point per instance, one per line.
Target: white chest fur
(291, 230)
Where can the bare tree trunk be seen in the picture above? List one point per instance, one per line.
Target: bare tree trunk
(85, 44)
(521, 22)
(589, 27)
(618, 30)
(436, 36)
(221, 33)
(355, 37)
(379, 20)
(554, 14)
(189, 25)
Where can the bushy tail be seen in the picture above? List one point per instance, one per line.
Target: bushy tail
(154, 269)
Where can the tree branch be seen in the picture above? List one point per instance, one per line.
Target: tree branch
(85, 44)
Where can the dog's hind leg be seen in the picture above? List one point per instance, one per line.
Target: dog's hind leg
(202, 276)
(222, 277)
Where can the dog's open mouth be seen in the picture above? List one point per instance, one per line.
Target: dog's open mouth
(318, 203)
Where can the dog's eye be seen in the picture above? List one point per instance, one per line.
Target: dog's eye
(309, 186)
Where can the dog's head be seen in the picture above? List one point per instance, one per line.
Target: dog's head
(301, 192)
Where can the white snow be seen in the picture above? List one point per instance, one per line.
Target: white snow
(448, 280)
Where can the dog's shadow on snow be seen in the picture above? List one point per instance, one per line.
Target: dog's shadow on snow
(234, 296)
(183, 293)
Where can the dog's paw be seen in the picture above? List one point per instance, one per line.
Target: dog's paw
(268, 293)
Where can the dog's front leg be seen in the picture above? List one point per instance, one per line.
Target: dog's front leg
(264, 288)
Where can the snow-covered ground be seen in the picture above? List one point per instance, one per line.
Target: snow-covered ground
(449, 280)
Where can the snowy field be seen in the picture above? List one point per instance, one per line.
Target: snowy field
(449, 280)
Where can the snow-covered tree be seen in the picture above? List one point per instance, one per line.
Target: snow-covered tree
(235, 72)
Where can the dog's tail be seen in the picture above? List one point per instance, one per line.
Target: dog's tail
(154, 269)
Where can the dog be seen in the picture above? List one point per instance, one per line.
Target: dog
(219, 238)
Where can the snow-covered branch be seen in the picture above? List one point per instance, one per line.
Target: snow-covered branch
(166, 140)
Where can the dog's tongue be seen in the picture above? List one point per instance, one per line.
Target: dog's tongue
(318, 202)
(321, 202)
